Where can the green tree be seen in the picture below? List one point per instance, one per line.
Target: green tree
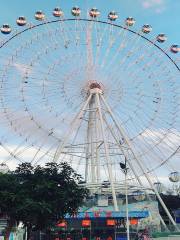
(40, 196)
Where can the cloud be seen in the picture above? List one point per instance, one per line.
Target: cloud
(157, 5)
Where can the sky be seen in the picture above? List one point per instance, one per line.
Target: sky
(163, 15)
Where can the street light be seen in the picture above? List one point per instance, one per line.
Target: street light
(124, 169)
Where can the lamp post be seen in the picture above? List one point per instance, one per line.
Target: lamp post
(124, 168)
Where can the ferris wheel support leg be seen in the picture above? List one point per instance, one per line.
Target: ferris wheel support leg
(91, 136)
(107, 153)
(79, 116)
(97, 148)
(132, 168)
(87, 153)
(139, 163)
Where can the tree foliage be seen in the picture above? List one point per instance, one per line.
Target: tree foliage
(171, 202)
(39, 196)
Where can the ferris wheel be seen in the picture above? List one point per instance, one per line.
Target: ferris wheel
(94, 93)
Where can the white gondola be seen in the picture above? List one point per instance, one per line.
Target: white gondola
(138, 195)
(76, 11)
(21, 21)
(112, 16)
(158, 186)
(6, 29)
(161, 38)
(146, 28)
(175, 49)
(57, 12)
(174, 177)
(39, 15)
(94, 13)
(130, 21)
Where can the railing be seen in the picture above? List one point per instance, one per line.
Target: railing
(168, 238)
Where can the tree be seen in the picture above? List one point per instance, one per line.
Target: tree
(40, 196)
(171, 202)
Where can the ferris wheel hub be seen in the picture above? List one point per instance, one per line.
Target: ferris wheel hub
(95, 85)
(94, 88)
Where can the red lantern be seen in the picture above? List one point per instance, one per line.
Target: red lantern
(111, 222)
(86, 223)
(134, 221)
(62, 224)
(109, 238)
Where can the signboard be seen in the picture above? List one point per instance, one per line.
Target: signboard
(103, 214)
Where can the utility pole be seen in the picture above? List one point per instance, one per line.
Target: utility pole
(124, 168)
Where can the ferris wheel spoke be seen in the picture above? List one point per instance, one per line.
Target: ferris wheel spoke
(39, 150)
(49, 152)
(100, 36)
(149, 130)
(14, 152)
(142, 48)
(145, 67)
(16, 127)
(115, 70)
(9, 152)
(138, 109)
(121, 46)
(130, 52)
(158, 140)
